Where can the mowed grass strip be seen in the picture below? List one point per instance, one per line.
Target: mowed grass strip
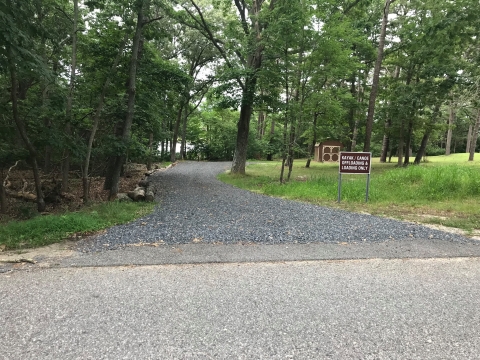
(49, 229)
(444, 190)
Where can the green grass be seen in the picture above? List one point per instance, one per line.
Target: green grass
(45, 230)
(443, 190)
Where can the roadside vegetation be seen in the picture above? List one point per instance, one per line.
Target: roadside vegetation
(46, 230)
(444, 190)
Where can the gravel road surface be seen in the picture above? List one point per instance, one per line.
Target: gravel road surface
(194, 207)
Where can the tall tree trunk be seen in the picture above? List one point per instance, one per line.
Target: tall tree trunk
(272, 133)
(451, 120)
(351, 113)
(360, 100)
(311, 149)
(150, 151)
(3, 195)
(132, 76)
(254, 63)
(385, 142)
(408, 143)
(243, 127)
(176, 127)
(469, 138)
(23, 131)
(400, 145)
(96, 120)
(388, 124)
(184, 136)
(423, 146)
(376, 77)
(68, 126)
(473, 143)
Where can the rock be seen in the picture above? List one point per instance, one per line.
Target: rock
(144, 183)
(137, 194)
(123, 197)
(149, 195)
(301, 178)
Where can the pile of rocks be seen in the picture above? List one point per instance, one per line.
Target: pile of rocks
(143, 192)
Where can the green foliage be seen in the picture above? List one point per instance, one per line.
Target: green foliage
(447, 185)
(45, 230)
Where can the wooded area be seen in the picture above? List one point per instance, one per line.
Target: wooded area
(89, 86)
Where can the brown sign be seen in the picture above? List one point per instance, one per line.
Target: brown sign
(355, 162)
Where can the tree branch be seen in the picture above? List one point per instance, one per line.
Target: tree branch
(241, 10)
(152, 20)
(208, 33)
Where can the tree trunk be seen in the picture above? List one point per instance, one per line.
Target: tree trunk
(473, 143)
(451, 119)
(469, 138)
(3, 196)
(423, 146)
(388, 124)
(176, 127)
(127, 125)
(254, 64)
(314, 141)
(408, 143)
(184, 136)
(385, 143)
(23, 131)
(150, 151)
(68, 126)
(376, 77)
(96, 120)
(243, 128)
(426, 135)
(400, 146)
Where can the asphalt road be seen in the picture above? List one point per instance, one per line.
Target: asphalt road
(339, 309)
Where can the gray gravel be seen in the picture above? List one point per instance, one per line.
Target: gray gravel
(195, 207)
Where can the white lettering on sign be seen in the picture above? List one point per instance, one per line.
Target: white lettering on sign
(355, 163)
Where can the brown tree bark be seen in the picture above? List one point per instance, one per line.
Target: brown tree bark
(311, 149)
(469, 138)
(473, 143)
(176, 127)
(3, 195)
(23, 131)
(254, 64)
(68, 126)
(376, 76)
(408, 143)
(96, 120)
(451, 120)
(131, 90)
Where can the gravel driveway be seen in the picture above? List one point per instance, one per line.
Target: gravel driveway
(195, 207)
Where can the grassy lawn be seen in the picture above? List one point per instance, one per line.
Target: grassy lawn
(45, 230)
(444, 190)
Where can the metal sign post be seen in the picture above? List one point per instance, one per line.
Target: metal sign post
(354, 163)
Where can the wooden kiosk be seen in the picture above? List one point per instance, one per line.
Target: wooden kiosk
(328, 151)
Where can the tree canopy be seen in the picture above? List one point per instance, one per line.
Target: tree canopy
(91, 85)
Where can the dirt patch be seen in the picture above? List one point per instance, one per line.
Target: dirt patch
(42, 257)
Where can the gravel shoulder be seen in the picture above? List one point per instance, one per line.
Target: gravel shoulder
(194, 207)
(202, 220)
